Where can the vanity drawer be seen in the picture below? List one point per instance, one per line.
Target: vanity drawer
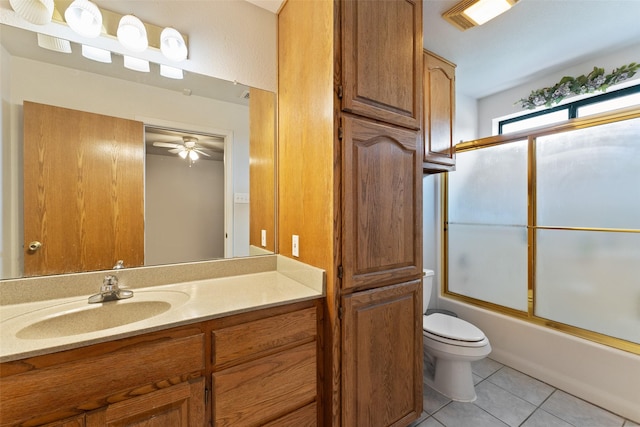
(246, 341)
(267, 388)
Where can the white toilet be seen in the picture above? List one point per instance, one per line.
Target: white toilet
(451, 344)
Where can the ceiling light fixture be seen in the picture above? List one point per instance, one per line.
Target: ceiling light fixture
(171, 72)
(84, 18)
(471, 13)
(132, 34)
(54, 43)
(172, 44)
(136, 64)
(96, 54)
(37, 12)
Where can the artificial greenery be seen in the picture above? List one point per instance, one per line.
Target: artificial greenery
(596, 80)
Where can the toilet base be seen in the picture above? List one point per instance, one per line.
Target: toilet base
(454, 379)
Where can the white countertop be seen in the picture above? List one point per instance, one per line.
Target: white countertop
(201, 300)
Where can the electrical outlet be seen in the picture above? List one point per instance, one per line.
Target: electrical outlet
(263, 238)
(295, 245)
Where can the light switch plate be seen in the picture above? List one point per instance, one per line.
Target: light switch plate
(295, 245)
(263, 238)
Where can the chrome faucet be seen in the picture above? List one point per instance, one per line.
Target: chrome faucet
(110, 291)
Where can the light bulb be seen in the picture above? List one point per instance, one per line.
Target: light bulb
(193, 155)
(132, 33)
(183, 154)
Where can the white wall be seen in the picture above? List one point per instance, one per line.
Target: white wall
(503, 103)
(184, 210)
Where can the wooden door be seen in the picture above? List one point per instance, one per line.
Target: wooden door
(382, 356)
(83, 190)
(382, 204)
(181, 405)
(439, 111)
(382, 60)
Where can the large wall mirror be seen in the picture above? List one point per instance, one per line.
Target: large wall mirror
(220, 204)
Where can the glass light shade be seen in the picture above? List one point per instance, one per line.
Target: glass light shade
(37, 12)
(171, 72)
(136, 64)
(485, 10)
(172, 44)
(84, 18)
(183, 154)
(96, 54)
(132, 33)
(193, 155)
(54, 43)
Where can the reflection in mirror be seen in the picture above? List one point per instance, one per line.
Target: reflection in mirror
(197, 106)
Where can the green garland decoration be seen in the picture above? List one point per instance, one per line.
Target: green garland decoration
(596, 80)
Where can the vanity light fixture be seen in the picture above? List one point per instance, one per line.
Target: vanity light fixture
(54, 43)
(37, 12)
(171, 72)
(132, 33)
(136, 64)
(470, 13)
(96, 54)
(172, 44)
(84, 18)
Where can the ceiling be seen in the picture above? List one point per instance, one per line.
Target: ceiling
(533, 39)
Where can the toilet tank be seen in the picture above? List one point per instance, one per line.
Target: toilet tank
(427, 286)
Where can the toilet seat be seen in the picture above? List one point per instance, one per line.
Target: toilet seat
(452, 330)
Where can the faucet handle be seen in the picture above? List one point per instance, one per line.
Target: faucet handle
(109, 284)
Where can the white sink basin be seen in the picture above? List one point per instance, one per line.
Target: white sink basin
(80, 317)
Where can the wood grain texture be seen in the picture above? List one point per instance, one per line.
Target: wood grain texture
(382, 362)
(382, 60)
(439, 113)
(114, 376)
(262, 169)
(265, 389)
(382, 204)
(83, 190)
(236, 344)
(181, 405)
(303, 417)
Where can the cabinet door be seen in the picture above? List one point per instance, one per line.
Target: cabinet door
(439, 110)
(382, 60)
(382, 204)
(69, 422)
(181, 405)
(382, 356)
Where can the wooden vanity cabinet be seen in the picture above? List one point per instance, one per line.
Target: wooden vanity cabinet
(439, 114)
(142, 377)
(265, 370)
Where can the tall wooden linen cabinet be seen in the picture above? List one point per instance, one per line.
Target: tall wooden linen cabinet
(350, 159)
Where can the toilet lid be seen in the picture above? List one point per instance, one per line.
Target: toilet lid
(451, 327)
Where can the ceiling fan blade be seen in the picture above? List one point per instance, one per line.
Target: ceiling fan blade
(176, 150)
(165, 144)
(201, 152)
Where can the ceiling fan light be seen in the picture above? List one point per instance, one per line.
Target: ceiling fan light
(54, 43)
(96, 54)
(84, 18)
(136, 64)
(171, 72)
(183, 154)
(132, 33)
(172, 44)
(193, 156)
(37, 12)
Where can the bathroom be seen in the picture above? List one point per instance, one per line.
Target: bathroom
(611, 389)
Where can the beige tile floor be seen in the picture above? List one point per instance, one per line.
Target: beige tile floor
(507, 397)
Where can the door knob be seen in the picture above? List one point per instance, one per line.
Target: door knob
(34, 246)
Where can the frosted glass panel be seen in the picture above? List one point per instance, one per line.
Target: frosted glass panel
(590, 177)
(590, 280)
(489, 263)
(489, 186)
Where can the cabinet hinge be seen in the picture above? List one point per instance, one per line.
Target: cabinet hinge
(206, 395)
(340, 91)
(340, 132)
(340, 271)
(340, 312)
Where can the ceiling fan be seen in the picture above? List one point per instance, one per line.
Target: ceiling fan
(188, 149)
